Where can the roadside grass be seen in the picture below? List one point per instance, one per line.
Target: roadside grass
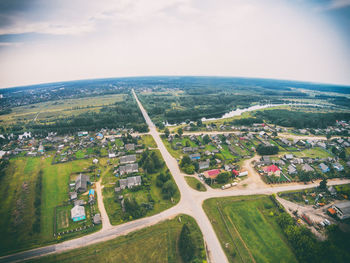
(17, 192)
(148, 141)
(113, 206)
(193, 182)
(175, 153)
(158, 243)
(247, 229)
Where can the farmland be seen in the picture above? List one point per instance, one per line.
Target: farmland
(248, 230)
(157, 243)
(17, 190)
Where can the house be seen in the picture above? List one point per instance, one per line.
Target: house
(195, 156)
(91, 196)
(111, 155)
(332, 190)
(129, 168)
(79, 202)
(212, 174)
(307, 168)
(99, 136)
(97, 219)
(2, 153)
(285, 141)
(204, 165)
(292, 169)
(41, 148)
(82, 133)
(128, 159)
(266, 160)
(81, 183)
(130, 182)
(272, 170)
(130, 147)
(207, 153)
(95, 161)
(25, 135)
(338, 167)
(73, 196)
(288, 156)
(324, 168)
(342, 209)
(187, 149)
(77, 213)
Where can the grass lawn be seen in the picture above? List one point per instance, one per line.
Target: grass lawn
(247, 229)
(193, 182)
(17, 192)
(313, 153)
(148, 141)
(175, 153)
(157, 243)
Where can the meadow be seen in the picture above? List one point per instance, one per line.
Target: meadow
(20, 227)
(247, 229)
(158, 243)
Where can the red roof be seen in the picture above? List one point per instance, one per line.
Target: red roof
(272, 168)
(235, 172)
(213, 172)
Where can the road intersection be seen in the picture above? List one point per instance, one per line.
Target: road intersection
(190, 203)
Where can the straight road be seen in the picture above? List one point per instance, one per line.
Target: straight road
(190, 203)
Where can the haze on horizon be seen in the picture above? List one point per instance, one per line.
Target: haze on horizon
(48, 41)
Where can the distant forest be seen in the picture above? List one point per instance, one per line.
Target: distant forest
(300, 119)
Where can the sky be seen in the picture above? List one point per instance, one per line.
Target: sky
(46, 41)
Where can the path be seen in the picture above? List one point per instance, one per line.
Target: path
(104, 216)
(190, 203)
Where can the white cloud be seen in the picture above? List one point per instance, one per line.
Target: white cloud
(141, 37)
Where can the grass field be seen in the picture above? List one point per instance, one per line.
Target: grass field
(52, 110)
(17, 192)
(313, 153)
(157, 243)
(148, 141)
(247, 229)
(193, 182)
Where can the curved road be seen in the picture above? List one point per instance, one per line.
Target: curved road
(190, 203)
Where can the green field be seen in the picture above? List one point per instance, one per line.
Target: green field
(157, 243)
(313, 153)
(52, 110)
(193, 182)
(148, 141)
(247, 229)
(17, 192)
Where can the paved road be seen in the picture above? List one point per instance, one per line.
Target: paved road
(190, 203)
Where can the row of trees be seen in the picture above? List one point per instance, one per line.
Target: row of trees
(263, 149)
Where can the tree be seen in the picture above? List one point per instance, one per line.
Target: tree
(186, 244)
(304, 176)
(156, 161)
(180, 132)
(328, 136)
(206, 139)
(223, 177)
(199, 123)
(263, 149)
(186, 160)
(189, 169)
(168, 190)
(342, 155)
(198, 185)
(166, 132)
(149, 165)
(323, 184)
